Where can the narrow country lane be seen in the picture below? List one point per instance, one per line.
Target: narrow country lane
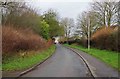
(64, 63)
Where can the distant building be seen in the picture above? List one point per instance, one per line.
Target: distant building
(56, 39)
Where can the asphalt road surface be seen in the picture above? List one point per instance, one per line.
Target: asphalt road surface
(64, 63)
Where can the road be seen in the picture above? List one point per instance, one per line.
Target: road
(64, 63)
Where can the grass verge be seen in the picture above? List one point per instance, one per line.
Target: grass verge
(19, 63)
(109, 57)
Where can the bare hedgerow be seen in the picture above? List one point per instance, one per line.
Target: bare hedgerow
(21, 39)
(106, 38)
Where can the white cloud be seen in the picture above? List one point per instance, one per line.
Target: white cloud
(65, 9)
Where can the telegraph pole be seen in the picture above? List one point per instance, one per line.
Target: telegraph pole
(88, 32)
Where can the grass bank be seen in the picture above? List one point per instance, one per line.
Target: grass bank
(19, 63)
(109, 57)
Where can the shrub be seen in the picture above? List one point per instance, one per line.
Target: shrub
(49, 42)
(81, 41)
(20, 39)
(106, 38)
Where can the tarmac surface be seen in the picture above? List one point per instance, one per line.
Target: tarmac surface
(64, 63)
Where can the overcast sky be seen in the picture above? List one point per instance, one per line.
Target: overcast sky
(65, 8)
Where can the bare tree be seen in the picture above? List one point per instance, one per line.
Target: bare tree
(118, 12)
(87, 19)
(11, 9)
(68, 24)
(107, 12)
(82, 25)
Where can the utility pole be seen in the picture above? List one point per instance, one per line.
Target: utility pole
(88, 32)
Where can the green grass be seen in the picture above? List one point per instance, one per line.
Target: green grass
(0, 67)
(19, 63)
(109, 57)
